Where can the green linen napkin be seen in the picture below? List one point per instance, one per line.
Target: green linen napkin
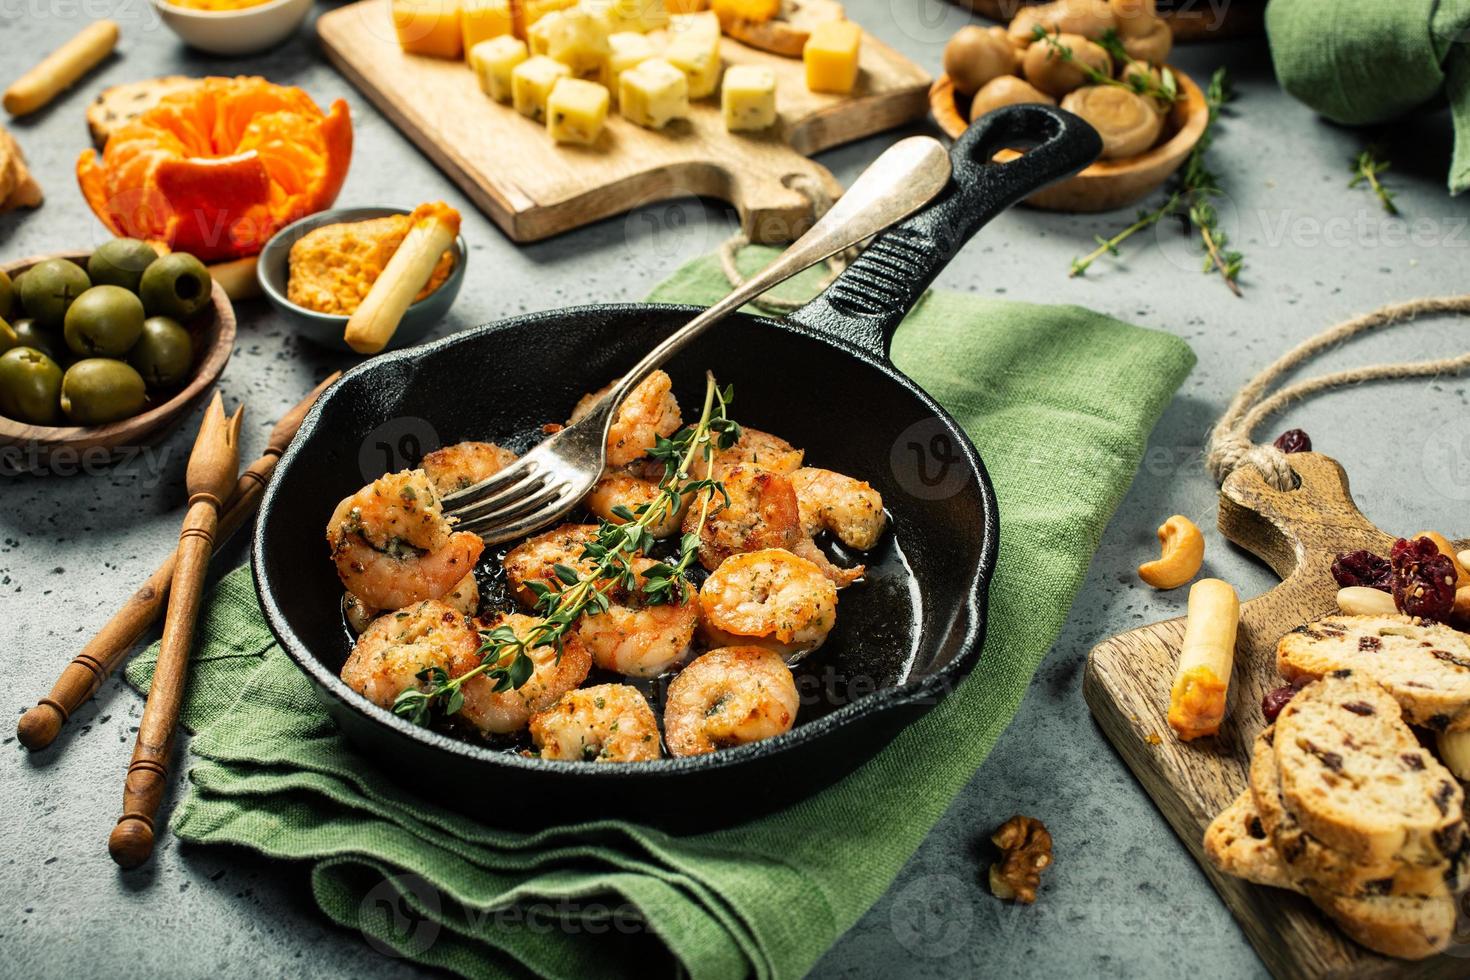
(1060, 400)
(1360, 62)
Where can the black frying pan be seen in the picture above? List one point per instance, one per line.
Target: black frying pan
(821, 378)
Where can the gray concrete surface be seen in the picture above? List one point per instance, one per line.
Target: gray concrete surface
(1123, 897)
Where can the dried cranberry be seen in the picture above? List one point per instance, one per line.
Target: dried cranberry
(1423, 580)
(1274, 701)
(1294, 441)
(1363, 568)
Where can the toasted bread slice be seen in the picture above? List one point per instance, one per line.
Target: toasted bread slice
(786, 33)
(1425, 666)
(123, 103)
(1237, 844)
(1355, 777)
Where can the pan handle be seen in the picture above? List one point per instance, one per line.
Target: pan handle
(865, 304)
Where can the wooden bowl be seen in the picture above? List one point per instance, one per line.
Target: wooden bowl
(1190, 22)
(213, 328)
(1107, 184)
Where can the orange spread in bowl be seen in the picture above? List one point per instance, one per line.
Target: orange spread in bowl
(333, 267)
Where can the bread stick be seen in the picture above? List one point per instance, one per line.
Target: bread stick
(237, 277)
(60, 69)
(1197, 699)
(435, 226)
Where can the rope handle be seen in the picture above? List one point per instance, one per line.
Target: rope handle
(730, 250)
(1230, 445)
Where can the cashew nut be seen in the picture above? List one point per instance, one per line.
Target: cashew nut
(1454, 752)
(1045, 67)
(1184, 553)
(975, 55)
(1153, 46)
(1359, 600)
(1462, 577)
(1464, 559)
(1003, 91)
(1127, 122)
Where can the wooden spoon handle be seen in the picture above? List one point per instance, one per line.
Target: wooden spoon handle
(132, 839)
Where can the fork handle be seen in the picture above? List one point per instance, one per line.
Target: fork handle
(131, 842)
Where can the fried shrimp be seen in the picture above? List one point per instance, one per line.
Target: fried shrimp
(464, 464)
(606, 723)
(509, 711)
(631, 489)
(829, 501)
(394, 648)
(729, 697)
(464, 598)
(534, 559)
(771, 599)
(648, 412)
(393, 546)
(757, 448)
(761, 513)
(637, 638)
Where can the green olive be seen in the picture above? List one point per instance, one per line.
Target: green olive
(8, 337)
(105, 321)
(49, 288)
(7, 294)
(99, 390)
(29, 334)
(29, 385)
(176, 285)
(164, 354)
(120, 262)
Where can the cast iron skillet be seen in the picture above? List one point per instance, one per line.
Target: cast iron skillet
(821, 378)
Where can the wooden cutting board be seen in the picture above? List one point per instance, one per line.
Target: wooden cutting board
(533, 188)
(1127, 687)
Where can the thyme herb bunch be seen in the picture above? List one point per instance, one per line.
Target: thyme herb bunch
(1165, 91)
(1369, 169)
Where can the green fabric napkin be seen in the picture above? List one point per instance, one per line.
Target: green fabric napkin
(1060, 400)
(1370, 61)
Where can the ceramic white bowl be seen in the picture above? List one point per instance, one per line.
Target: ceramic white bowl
(244, 31)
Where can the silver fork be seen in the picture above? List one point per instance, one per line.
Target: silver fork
(550, 480)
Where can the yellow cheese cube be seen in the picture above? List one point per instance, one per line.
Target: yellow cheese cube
(493, 61)
(705, 25)
(480, 20)
(697, 55)
(628, 15)
(531, 83)
(831, 56)
(428, 27)
(652, 93)
(625, 50)
(578, 39)
(538, 35)
(576, 111)
(748, 97)
(533, 10)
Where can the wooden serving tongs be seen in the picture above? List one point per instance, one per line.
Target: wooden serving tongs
(211, 478)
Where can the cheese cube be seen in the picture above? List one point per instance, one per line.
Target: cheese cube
(578, 39)
(831, 56)
(748, 97)
(625, 50)
(538, 35)
(428, 27)
(533, 10)
(576, 111)
(685, 6)
(652, 93)
(480, 20)
(704, 25)
(629, 15)
(697, 55)
(531, 83)
(493, 61)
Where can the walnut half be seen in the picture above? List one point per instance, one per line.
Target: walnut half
(1025, 850)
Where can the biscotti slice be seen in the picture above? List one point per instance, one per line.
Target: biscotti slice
(1308, 862)
(1355, 777)
(1409, 928)
(1425, 666)
(1237, 844)
(118, 105)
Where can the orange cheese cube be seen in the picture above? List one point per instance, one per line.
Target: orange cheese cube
(831, 56)
(429, 27)
(480, 20)
(685, 6)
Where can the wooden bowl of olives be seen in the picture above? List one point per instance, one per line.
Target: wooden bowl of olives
(105, 349)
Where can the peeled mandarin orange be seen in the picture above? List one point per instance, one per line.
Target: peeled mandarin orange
(217, 169)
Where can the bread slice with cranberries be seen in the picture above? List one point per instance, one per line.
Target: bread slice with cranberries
(1424, 665)
(1356, 778)
(1237, 844)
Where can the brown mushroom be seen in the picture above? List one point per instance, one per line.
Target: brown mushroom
(1090, 18)
(1048, 69)
(1153, 46)
(1003, 91)
(975, 55)
(1134, 18)
(1128, 123)
(1148, 77)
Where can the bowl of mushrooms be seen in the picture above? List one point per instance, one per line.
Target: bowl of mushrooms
(1104, 61)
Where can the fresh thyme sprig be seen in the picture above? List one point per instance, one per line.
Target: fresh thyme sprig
(1165, 90)
(1191, 200)
(505, 656)
(1368, 170)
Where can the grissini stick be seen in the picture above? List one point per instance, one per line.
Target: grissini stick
(80, 679)
(60, 69)
(237, 277)
(210, 479)
(371, 326)
(1206, 658)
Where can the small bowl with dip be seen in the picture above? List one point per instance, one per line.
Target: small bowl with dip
(274, 271)
(232, 27)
